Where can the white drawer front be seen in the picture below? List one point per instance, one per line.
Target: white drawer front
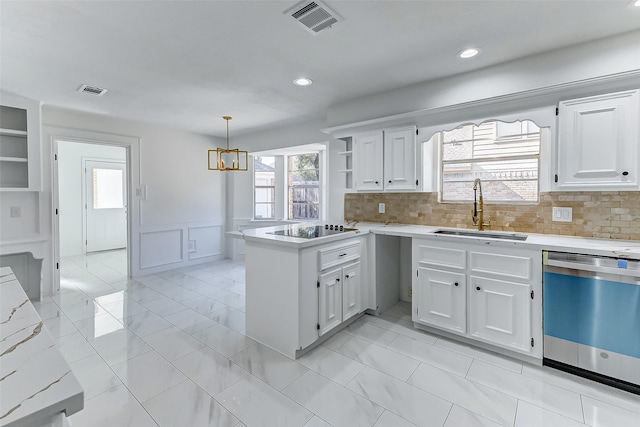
(337, 255)
(441, 257)
(515, 267)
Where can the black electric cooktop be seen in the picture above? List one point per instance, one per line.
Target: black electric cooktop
(312, 231)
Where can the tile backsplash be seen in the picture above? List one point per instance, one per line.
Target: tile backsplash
(600, 214)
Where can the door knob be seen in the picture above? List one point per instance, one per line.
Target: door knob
(455, 284)
(477, 288)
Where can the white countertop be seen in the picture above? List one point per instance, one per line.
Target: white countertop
(604, 247)
(264, 235)
(36, 383)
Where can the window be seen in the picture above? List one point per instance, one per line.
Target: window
(304, 186)
(505, 156)
(108, 189)
(264, 187)
(288, 183)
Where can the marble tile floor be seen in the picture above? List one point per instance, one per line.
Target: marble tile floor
(169, 350)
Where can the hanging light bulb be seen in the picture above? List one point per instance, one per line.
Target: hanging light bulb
(227, 159)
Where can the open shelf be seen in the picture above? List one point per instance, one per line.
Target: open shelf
(15, 154)
(14, 159)
(13, 132)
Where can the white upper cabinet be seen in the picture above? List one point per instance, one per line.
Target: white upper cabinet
(20, 162)
(367, 161)
(385, 160)
(598, 142)
(400, 159)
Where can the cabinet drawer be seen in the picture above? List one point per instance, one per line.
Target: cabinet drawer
(440, 256)
(515, 267)
(339, 254)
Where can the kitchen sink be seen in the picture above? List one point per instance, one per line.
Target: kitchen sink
(483, 234)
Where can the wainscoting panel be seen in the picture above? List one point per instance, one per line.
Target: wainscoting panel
(205, 241)
(160, 248)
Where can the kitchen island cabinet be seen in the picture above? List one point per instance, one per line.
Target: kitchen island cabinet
(296, 295)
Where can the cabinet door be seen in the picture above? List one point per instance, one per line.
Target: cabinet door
(441, 299)
(598, 142)
(367, 161)
(351, 299)
(330, 300)
(500, 313)
(400, 159)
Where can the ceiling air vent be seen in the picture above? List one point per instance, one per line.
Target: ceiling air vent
(314, 15)
(93, 90)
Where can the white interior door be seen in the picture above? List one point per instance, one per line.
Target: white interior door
(105, 205)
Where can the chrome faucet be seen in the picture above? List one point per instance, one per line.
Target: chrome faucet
(477, 214)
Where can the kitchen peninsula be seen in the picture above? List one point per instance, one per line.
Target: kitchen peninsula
(298, 288)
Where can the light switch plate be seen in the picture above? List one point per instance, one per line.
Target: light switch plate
(562, 214)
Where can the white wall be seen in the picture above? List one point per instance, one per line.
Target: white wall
(186, 202)
(614, 55)
(70, 171)
(28, 224)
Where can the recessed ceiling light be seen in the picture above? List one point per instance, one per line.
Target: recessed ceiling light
(469, 53)
(302, 81)
(635, 3)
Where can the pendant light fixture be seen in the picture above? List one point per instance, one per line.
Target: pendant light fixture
(227, 159)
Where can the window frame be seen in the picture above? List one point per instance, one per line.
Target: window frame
(438, 138)
(290, 205)
(272, 187)
(281, 212)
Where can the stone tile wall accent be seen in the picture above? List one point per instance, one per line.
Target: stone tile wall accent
(607, 214)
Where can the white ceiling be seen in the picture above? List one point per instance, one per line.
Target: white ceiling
(187, 63)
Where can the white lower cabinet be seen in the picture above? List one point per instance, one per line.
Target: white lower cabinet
(480, 291)
(441, 299)
(338, 296)
(351, 291)
(499, 313)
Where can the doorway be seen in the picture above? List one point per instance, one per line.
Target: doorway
(92, 183)
(105, 208)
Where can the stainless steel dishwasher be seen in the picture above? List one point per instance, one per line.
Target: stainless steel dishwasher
(592, 317)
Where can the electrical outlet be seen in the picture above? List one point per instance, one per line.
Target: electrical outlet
(562, 214)
(192, 246)
(381, 208)
(410, 292)
(16, 212)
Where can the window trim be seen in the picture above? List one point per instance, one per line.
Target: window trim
(281, 191)
(288, 187)
(438, 140)
(255, 203)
